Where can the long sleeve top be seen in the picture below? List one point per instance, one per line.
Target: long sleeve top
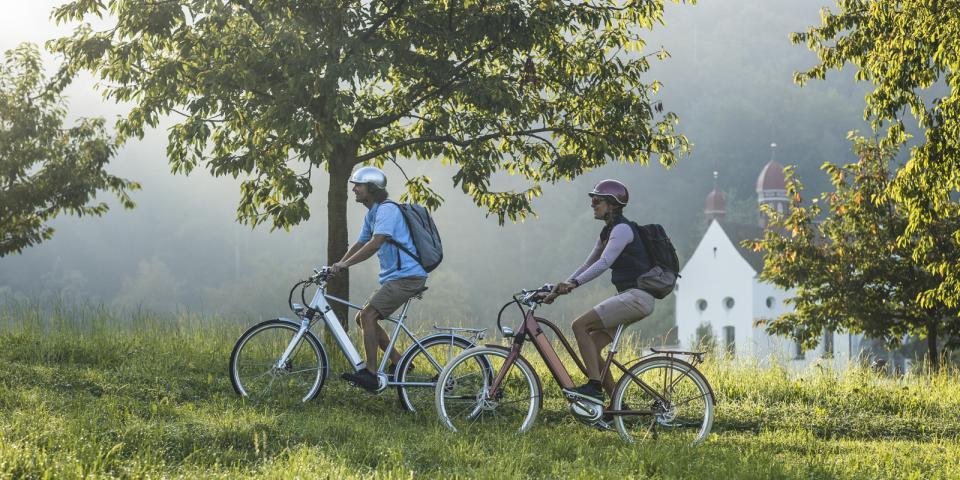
(603, 256)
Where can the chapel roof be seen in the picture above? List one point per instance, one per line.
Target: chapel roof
(737, 233)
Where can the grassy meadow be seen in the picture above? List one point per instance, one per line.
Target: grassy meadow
(87, 392)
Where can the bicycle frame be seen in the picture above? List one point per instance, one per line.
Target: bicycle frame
(321, 304)
(531, 329)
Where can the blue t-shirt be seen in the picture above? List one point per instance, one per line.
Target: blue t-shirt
(386, 219)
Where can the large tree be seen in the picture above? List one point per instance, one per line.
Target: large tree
(274, 90)
(849, 266)
(910, 51)
(46, 169)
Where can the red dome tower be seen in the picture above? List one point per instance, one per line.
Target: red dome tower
(716, 205)
(772, 186)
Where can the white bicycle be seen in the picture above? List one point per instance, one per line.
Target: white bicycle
(282, 360)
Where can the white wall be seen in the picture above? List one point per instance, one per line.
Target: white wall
(768, 348)
(714, 272)
(764, 345)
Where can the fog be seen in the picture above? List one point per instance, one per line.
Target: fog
(729, 79)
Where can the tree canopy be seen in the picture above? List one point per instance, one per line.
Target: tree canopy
(45, 168)
(847, 266)
(273, 90)
(540, 90)
(910, 51)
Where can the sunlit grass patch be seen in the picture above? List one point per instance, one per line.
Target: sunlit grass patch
(151, 398)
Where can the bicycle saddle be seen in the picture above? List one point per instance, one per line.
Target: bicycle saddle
(419, 293)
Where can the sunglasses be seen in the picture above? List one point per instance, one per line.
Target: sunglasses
(594, 201)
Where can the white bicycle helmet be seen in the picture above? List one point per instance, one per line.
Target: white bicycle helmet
(371, 176)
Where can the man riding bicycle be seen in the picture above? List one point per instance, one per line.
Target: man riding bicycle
(401, 275)
(620, 249)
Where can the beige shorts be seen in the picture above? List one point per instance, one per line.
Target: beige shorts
(624, 309)
(394, 293)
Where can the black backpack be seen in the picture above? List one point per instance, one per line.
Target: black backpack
(661, 279)
(423, 233)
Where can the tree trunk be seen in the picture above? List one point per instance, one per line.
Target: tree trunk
(337, 235)
(932, 354)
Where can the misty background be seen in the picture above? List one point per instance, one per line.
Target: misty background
(729, 79)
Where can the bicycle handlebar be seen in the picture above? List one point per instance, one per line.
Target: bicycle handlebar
(533, 297)
(319, 277)
(530, 298)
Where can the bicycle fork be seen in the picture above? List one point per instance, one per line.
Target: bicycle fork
(531, 329)
(282, 361)
(507, 364)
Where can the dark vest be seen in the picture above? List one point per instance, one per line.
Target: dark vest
(633, 260)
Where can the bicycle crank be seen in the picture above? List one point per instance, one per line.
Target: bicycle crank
(585, 411)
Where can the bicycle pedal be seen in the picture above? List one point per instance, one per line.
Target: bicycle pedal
(361, 387)
(602, 426)
(574, 396)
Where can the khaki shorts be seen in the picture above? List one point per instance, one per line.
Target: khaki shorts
(624, 309)
(394, 293)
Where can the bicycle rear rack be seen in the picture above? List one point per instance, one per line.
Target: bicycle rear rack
(696, 358)
(476, 334)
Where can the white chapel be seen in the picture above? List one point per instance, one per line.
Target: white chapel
(721, 295)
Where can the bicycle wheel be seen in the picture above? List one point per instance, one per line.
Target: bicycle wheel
(253, 364)
(677, 403)
(424, 365)
(464, 398)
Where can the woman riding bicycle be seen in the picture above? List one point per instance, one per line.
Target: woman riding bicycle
(620, 249)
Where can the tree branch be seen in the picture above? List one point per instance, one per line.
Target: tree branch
(255, 15)
(366, 125)
(205, 120)
(366, 34)
(548, 142)
(447, 139)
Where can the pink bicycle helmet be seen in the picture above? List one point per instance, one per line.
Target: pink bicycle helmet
(611, 190)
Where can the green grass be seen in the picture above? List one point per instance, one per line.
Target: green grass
(87, 392)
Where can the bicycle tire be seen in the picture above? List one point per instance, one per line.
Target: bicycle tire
(415, 367)
(684, 412)
(253, 371)
(462, 401)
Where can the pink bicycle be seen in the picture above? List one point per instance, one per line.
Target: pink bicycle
(657, 395)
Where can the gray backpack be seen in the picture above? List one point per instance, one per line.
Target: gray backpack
(424, 234)
(661, 279)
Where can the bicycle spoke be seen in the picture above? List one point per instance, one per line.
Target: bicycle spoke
(516, 401)
(270, 385)
(261, 375)
(470, 413)
(674, 383)
(259, 364)
(468, 375)
(464, 398)
(684, 402)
